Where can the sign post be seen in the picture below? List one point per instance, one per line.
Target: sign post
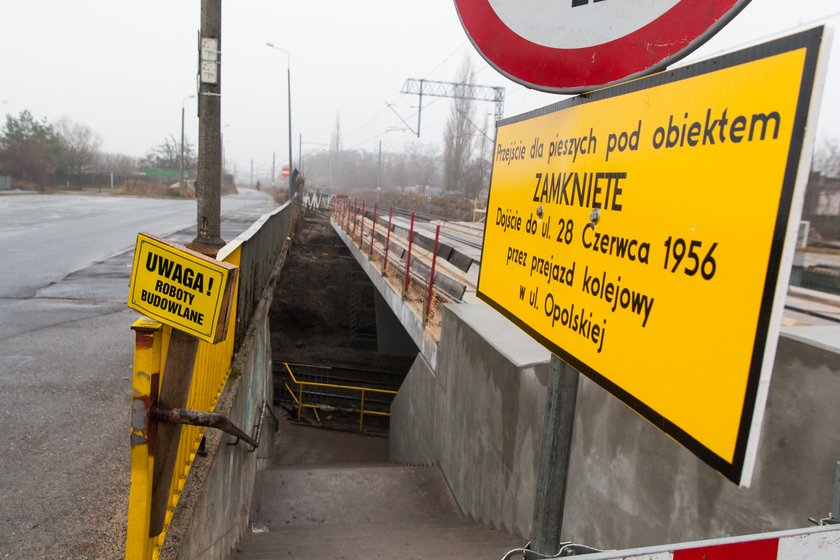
(558, 428)
(285, 172)
(642, 233)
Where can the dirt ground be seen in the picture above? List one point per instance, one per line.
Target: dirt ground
(310, 314)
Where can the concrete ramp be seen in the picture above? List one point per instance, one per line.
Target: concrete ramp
(363, 512)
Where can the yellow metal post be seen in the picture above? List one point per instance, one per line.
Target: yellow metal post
(300, 400)
(362, 413)
(147, 354)
(314, 407)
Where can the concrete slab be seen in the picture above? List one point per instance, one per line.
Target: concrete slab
(297, 445)
(825, 337)
(504, 336)
(295, 497)
(411, 542)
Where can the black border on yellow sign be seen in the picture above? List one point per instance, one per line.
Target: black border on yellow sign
(212, 323)
(811, 41)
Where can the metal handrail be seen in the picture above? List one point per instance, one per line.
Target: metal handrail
(300, 404)
(362, 412)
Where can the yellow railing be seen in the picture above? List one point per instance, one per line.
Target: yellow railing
(210, 374)
(299, 398)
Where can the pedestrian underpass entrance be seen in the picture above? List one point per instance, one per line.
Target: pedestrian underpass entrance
(332, 366)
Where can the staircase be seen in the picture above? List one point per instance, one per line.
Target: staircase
(316, 507)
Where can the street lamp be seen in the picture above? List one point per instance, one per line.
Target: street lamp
(183, 101)
(224, 160)
(289, 82)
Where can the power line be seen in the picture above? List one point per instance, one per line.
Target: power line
(454, 90)
(378, 113)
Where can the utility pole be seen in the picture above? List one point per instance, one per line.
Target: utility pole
(208, 193)
(289, 97)
(291, 161)
(420, 107)
(272, 169)
(252, 172)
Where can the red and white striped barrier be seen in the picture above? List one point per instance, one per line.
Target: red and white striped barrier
(815, 543)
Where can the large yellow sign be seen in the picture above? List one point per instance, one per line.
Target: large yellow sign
(181, 288)
(638, 233)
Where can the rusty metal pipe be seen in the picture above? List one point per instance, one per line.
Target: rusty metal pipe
(199, 418)
(263, 410)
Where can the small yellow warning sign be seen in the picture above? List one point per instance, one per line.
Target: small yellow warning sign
(181, 288)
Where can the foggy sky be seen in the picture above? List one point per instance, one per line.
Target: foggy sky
(124, 68)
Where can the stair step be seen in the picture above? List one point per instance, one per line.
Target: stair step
(369, 511)
(300, 445)
(371, 542)
(286, 497)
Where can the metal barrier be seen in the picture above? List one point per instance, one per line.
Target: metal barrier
(299, 397)
(213, 362)
(260, 244)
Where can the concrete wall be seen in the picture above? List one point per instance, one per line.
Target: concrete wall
(261, 243)
(632, 486)
(391, 337)
(414, 418)
(212, 512)
(478, 416)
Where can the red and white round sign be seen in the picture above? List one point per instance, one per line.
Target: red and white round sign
(571, 46)
(284, 171)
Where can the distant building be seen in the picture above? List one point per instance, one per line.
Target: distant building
(822, 207)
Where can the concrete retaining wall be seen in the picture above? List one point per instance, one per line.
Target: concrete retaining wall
(479, 416)
(632, 486)
(414, 418)
(224, 480)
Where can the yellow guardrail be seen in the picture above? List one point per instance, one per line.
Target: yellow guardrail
(299, 398)
(210, 374)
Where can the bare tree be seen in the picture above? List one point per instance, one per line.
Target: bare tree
(458, 136)
(79, 145)
(477, 172)
(335, 137)
(167, 154)
(423, 163)
(827, 159)
(118, 163)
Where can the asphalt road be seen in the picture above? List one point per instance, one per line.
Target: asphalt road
(65, 363)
